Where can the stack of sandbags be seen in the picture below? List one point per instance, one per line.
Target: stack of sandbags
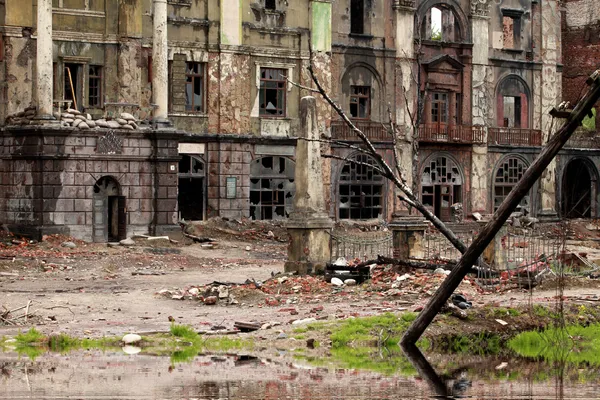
(22, 117)
(125, 121)
(75, 118)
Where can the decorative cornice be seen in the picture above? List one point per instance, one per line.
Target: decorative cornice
(480, 8)
(404, 4)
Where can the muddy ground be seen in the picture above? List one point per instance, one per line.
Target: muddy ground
(95, 290)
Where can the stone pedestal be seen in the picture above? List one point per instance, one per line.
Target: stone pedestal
(408, 235)
(309, 225)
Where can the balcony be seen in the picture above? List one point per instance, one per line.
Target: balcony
(375, 131)
(436, 133)
(515, 136)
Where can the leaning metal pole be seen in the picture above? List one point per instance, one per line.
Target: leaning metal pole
(533, 173)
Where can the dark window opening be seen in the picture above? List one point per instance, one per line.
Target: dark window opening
(190, 198)
(512, 111)
(72, 85)
(439, 107)
(272, 188)
(512, 104)
(357, 16)
(272, 92)
(578, 191)
(95, 86)
(194, 87)
(509, 173)
(360, 102)
(270, 4)
(361, 189)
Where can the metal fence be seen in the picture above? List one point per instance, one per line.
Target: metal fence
(364, 245)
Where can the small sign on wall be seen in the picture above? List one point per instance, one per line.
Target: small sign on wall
(231, 184)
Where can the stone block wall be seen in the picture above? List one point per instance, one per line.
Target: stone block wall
(48, 176)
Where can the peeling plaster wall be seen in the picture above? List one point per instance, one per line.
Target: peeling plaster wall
(19, 53)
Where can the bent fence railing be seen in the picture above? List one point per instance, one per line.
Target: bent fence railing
(366, 246)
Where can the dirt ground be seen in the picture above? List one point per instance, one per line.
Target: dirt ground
(97, 290)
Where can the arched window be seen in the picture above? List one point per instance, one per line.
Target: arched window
(190, 198)
(441, 186)
(440, 23)
(513, 103)
(509, 173)
(272, 187)
(363, 91)
(361, 189)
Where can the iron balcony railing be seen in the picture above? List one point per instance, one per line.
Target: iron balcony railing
(515, 136)
(376, 131)
(451, 133)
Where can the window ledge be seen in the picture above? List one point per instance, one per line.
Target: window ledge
(275, 118)
(514, 51)
(179, 3)
(188, 114)
(362, 36)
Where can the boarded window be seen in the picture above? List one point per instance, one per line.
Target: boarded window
(361, 189)
(194, 87)
(95, 86)
(272, 92)
(272, 188)
(508, 174)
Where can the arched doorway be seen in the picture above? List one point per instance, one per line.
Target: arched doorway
(361, 189)
(579, 186)
(272, 187)
(509, 172)
(110, 214)
(441, 186)
(190, 197)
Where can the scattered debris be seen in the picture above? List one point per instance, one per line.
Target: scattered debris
(131, 338)
(247, 326)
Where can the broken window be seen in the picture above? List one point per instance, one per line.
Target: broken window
(190, 198)
(272, 187)
(441, 186)
(440, 24)
(361, 189)
(360, 102)
(357, 16)
(508, 32)
(270, 5)
(272, 92)
(95, 86)
(194, 87)
(508, 174)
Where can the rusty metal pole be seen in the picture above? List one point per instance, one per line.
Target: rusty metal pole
(533, 173)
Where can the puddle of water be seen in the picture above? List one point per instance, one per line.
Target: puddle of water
(117, 375)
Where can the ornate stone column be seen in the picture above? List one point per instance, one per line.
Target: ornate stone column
(44, 72)
(308, 225)
(160, 89)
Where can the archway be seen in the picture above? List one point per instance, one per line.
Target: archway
(360, 189)
(109, 214)
(190, 197)
(441, 186)
(579, 186)
(272, 187)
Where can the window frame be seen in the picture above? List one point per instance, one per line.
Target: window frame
(358, 16)
(195, 75)
(262, 111)
(516, 16)
(358, 96)
(100, 78)
(435, 107)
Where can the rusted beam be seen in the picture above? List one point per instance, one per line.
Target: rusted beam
(533, 173)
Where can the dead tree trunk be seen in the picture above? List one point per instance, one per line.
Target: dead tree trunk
(533, 173)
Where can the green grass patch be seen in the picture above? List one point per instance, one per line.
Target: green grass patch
(30, 337)
(385, 329)
(183, 331)
(573, 344)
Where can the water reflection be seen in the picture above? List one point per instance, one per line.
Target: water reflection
(113, 375)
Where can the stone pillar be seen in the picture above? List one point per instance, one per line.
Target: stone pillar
(408, 235)
(308, 225)
(231, 22)
(160, 89)
(405, 14)
(44, 72)
(550, 97)
(482, 101)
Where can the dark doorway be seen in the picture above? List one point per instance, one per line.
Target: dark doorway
(73, 85)
(109, 211)
(577, 191)
(190, 196)
(441, 186)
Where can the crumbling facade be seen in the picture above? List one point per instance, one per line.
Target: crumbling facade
(163, 110)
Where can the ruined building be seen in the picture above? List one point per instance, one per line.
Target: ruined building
(125, 116)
